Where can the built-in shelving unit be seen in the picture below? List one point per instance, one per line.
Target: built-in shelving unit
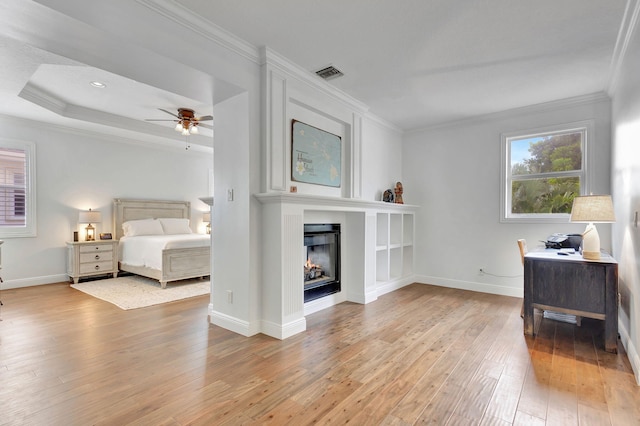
(394, 246)
(377, 255)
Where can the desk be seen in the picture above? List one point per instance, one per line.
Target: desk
(572, 285)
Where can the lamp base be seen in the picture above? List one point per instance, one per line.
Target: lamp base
(591, 243)
(591, 255)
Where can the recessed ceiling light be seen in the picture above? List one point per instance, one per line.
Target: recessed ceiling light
(98, 84)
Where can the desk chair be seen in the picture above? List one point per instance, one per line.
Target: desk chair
(522, 245)
(572, 319)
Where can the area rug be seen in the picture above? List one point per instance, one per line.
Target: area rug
(134, 292)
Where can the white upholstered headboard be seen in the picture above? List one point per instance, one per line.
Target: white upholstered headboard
(127, 209)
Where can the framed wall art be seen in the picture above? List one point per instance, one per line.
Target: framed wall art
(316, 155)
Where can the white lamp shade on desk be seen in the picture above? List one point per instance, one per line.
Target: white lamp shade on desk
(592, 209)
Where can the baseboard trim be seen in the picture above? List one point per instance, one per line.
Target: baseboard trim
(34, 281)
(471, 286)
(231, 323)
(394, 285)
(632, 352)
(283, 331)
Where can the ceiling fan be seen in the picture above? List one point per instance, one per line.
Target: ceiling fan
(186, 121)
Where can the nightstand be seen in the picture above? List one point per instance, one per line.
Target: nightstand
(91, 258)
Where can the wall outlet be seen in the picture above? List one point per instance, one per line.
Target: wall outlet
(229, 296)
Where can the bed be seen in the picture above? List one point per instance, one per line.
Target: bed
(177, 258)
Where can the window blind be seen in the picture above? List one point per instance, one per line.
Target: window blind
(13, 187)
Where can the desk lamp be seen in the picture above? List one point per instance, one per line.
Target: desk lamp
(89, 217)
(592, 209)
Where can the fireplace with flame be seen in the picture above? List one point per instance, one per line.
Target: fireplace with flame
(322, 264)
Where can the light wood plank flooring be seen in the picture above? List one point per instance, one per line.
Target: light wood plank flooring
(422, 354)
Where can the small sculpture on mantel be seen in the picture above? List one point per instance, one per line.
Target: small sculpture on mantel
(398, 193)
(387, 197)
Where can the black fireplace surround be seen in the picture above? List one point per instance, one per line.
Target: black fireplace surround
(322, 260)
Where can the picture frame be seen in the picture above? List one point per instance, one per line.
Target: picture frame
(316, 155)
(106, 236)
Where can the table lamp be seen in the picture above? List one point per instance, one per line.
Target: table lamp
(90, 217)
(206, 218)
(592, 209)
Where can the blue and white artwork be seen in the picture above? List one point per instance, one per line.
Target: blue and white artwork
(315, 156)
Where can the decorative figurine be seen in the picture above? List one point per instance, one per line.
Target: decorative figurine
(387, 197)
(398, 193)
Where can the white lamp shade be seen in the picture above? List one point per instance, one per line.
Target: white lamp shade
(593, 209)
(90, 216)
(206, 217)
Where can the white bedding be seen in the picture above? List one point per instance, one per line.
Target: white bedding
(146, 250)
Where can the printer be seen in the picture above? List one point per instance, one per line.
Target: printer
(558, 241)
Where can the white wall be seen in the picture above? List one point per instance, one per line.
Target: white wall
(381, 159)
(77, 171)
(453, 174)
(626, 197)
(236, 232)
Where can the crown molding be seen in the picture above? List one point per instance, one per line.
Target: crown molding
(530, 109)
(41, 97)
(174, 11)
(44, 99)
(158, 143)
(627, 28)
(383, 123)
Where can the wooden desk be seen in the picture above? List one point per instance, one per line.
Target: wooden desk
(572, 285)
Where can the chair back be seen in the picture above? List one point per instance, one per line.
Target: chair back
(522, 245)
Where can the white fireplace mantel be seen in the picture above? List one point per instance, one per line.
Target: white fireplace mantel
(366, 226)
(332, 203)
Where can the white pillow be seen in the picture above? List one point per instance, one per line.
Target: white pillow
(173, 226)
(134, 228)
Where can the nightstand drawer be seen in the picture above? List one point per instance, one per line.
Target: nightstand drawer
(98, 256)
(93, 248)
(92, 258)
(87, 268)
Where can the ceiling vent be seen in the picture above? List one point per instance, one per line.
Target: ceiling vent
(329, 72)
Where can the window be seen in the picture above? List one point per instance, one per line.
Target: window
(17, 189)
(544, 170)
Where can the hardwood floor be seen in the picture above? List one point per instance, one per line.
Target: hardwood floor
(422, 354)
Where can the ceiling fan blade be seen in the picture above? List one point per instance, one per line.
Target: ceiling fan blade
(170, 113)
(204, 118)
(206, 126)
(160, 119)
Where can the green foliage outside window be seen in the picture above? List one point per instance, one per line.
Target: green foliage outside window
(543, 182)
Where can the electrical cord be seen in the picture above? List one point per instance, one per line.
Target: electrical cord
(482, 271)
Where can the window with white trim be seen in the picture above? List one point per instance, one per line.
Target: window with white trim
(17, 189)
(543, 171)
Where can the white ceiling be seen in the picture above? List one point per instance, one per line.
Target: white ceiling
(415, 63)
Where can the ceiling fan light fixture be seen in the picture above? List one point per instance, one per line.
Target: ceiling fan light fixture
(178, 127)
(194, 130)
(185, 132)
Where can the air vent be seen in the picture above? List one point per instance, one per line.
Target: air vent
(329, 72)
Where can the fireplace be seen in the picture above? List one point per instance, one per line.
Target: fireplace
(322, 260)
